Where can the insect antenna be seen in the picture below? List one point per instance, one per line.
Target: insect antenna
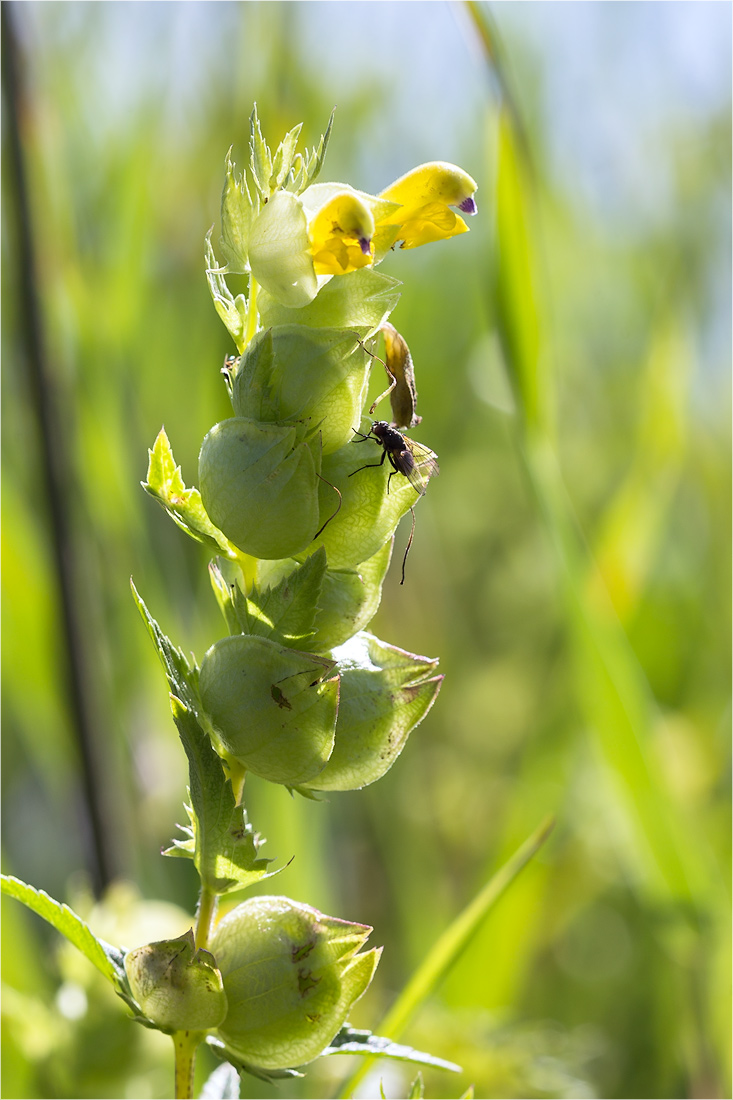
(409, 544)
(338, 506)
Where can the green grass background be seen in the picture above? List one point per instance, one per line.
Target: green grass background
(571, 564)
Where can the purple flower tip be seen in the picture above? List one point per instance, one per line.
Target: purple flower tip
(468, 206)
(365, 244)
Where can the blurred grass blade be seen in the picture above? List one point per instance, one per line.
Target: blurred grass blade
(516, 304)
(633, 524)
(451, 945)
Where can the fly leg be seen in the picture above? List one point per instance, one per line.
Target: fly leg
(370, 465)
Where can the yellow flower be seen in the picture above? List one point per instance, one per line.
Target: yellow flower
(341, 235)
(426, 195)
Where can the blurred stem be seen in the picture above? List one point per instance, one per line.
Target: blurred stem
(185, 1044)
(205, 916)
(58, 489)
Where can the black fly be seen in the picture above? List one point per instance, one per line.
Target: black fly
(406, 457)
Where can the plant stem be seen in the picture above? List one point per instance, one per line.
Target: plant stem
(251, 327)
(185, 1043)
(205, 916)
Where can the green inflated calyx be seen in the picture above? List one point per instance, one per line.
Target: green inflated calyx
(369, 512)
(316, 375)
(177, 987)
(259, 485)
(291, 975)
(385, 693)
(272, 708)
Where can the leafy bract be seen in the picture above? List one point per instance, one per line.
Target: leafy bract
(260, 157)
(285, 156)
(182, 677)
(221, 841)
(359, 301)
(283, 613)
(237, 212)
(222, 1051)
(279, 251)
(222, 1083)
(231, 310)
(107, 959)
(352, 1041)
(184, 506)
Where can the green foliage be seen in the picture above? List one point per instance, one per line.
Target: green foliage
(107, 959)
(165, 484)
(360, 301)
(284, 613)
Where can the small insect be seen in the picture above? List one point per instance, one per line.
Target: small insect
(406, 457)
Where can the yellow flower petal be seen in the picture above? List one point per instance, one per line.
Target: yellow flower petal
(426, 195)
(433, 182)
(341, 235)
(432, 222)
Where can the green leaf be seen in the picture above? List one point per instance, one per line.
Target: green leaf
(285, 614)
(260, 158)
(184, 506)
(220, 841)
(225, 846)
(237, 213)
(451, 945)
(359, 301)
(351, 1041)
(182, 678)
(107, 959)
(232, 311)
(224, 592)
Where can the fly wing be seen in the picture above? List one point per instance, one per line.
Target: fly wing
(424, 465)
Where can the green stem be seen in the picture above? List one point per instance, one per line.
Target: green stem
(205, 917)
(251, 327)
(185, 1044)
